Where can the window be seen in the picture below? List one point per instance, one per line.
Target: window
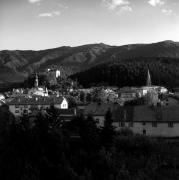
(143, 123)
(122, 124)
(16, 106)
(25, 111)
(144, 132)
(25, 106)
(97, 120)
(170, 124)
(131, 124)
(154, 124)
(125, 115)
(16, 111)
(158, 116)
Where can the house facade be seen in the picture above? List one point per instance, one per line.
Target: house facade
(151, 121)
(157, 121)
(170, 101)
(25, 105)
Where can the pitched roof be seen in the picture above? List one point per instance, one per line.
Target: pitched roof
(97, 109)
(35, 101)
(67, 112)
(142, 113)
(158, 114)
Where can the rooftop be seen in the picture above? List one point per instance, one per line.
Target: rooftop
(141, 113)
(36, 101)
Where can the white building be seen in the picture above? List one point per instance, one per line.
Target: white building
(2, 97)
(56, 72)
(158, 89)
(23, 105)
(38, 91)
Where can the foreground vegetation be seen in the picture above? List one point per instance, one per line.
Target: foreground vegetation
(48, 148)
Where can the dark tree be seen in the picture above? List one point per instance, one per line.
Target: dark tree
(108, 131)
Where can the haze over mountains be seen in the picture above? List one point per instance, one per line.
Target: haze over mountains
(16, 65)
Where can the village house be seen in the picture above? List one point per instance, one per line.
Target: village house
(152, 121)
(98, 111)
(169, 100)
(67, 115)
(128, 94)
(25, 105)
(157, 121)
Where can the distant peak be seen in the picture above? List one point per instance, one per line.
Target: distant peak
(168, 41)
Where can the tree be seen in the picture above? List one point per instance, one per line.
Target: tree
(82, 97)
(90, 132)
(54, 116)
(88, 97)
(108, 131)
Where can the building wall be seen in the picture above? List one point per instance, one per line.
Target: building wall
(12, 109)
(99, 120)
(163, 129)
(64, 105)
(18, 110)
(170, 102)
(156, 129)
(57, 73)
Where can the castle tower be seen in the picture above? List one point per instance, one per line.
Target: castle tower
(149, 82)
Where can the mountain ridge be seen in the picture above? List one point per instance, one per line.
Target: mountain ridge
(17, 64)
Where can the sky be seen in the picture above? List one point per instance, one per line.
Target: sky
(44, 24)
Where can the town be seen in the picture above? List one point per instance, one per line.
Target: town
(148, 110)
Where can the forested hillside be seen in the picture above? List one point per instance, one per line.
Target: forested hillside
(132, 72)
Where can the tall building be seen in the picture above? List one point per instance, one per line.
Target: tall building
(36, 81)
(52, 75)
(149, 82)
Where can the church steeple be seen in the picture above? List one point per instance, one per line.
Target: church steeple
(36, 81)
(149, 82)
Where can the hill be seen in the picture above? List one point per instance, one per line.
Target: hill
(132, 72)
(16, 65)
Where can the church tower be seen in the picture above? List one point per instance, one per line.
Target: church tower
(36, 81)
(149, 82)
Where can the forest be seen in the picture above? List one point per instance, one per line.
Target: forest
(132, 72)
(48, 148)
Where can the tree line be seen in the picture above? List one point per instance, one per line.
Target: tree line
(49, 148)
(132, 72)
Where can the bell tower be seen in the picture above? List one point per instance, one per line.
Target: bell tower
(149, 82)
(36, 81)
